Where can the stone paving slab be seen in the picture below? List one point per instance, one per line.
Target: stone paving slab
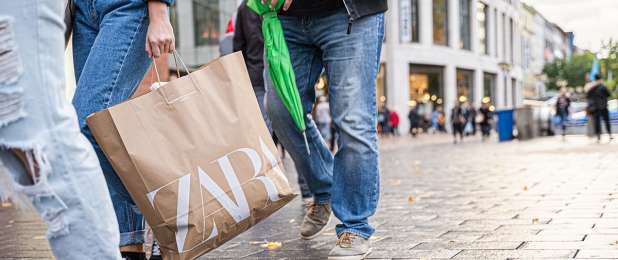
(521, 200)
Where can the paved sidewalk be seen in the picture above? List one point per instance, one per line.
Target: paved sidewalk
(537, 199)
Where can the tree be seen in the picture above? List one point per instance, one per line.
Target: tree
(572, 70)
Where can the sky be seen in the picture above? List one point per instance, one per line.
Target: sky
(591, 20)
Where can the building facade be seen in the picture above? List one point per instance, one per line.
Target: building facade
(439, 52)
(542, 43)
(199, 25)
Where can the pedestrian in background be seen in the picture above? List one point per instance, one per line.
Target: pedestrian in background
(322, 117)
(393, 122)
(114, 43)
(563, 103)
(46, 160)
(458, 121)
(472, 113)
(344, 38)
(597, 95)
(486, 120)
(414, 119)
(249, 40)
(383, 117)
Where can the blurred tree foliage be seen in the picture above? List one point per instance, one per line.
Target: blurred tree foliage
(574, 70)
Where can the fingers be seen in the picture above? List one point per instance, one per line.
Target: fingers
(148, 50)
(173, 45)
(156, 50)
(273, 3)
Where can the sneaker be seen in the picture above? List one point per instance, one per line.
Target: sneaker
(317, 218)
(307, 201)
(350, 247)
(156, 251)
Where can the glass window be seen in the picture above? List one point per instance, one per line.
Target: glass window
(381, 86)
(207, 22)
(440, 22)
(489, 86)
(464, 24)
(504, 42)
(174, 22)
(482, 16)
(415, 21)
(512, 40)
(409, 20)
(495, 38)
(425, 88)
(465, 85)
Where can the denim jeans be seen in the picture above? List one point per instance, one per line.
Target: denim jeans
(70, 193)
(110, 61)
(350, 178)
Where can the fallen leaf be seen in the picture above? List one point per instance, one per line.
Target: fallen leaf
(535, 221)
(271, 245)
(38, 237)
(525, 188)
(411, 200)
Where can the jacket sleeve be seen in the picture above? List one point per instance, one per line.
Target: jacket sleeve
(239, 36)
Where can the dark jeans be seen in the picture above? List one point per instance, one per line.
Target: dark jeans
(604, 115)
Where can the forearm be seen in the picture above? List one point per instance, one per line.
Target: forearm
(158, 11)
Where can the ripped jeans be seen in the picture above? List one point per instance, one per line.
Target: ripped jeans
(58, 171)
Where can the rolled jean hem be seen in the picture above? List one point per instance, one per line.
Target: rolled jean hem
(355, 232)
(133, 238)
(322, 199)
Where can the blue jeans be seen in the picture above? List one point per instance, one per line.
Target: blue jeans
(350, 178)
(70, 193)
(110, 61)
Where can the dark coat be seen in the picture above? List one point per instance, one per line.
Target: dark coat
(597, 97)
(248, 38)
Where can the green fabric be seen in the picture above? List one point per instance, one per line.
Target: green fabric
(279, 63)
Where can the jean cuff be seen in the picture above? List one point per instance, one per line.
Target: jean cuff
(355, 232)
(321, 198)
(132, 238)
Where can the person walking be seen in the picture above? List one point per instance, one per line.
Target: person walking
(45, 160)
(472, 113)
(393, 122)
(344, 38)
(486, 119)
(597, 95)
(563, 103)
(414, 119)
(249, 40)
(458, 121)
(322, 117)
(383, 123)
(114, 42)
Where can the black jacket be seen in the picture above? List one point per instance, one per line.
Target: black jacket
(361, 8)
(597, 97)
(248, 39)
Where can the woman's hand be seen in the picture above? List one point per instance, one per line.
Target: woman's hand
(160, 36)
(273, 3)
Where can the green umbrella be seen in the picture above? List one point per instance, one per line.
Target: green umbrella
(279, 63)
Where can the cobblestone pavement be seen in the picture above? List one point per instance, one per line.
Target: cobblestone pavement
(536, 199)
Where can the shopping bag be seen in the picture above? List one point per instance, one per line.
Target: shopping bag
(197, 158)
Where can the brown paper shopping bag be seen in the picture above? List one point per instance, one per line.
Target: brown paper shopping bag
(197, 158)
